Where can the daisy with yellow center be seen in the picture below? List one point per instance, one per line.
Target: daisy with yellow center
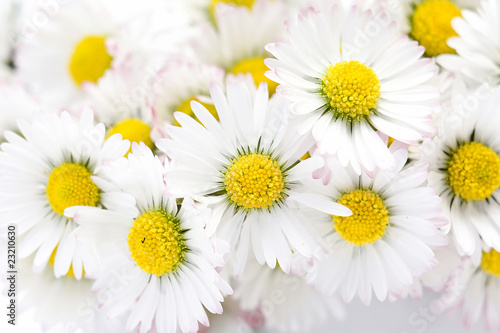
(345, 90)
(163, 247)
(66, 58)
(465, 171)
(390, 236)
(247, 166)
(59, 167)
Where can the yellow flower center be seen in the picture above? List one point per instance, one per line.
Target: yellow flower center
(185, 107)
(134, 130)
(491, 263)
(473, 171)
(257, 68)
(368, 220)
(70, 185)
(156, 242)
(70, 273)
(254, 181)
(351, 90)
(431, 25)
(89, 60)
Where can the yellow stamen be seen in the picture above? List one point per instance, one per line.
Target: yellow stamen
(351, 90)
(473, 171)
(254, 181)
(431, 25)
(89, 60)
(70, 185)
(156, 242)
(368, 220)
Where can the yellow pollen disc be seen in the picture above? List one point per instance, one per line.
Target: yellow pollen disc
(368, 220)
(491, 263)
(473, 171)
(431, 25)
(156, 242)
(70, 185)
(89, 60)
(134, 130)
(257, 68)
(185, 107)
(70, 271)
(254, 181)
(351, 90)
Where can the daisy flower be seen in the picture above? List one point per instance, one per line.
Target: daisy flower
(477, 45)
(345, 86)
(62, 304)
(465, 171)
(70, 50)
(237, 43)
(246, 167)
(287, 303)
(161, 250)
(480, 296)
(389, 239)
(45, 169)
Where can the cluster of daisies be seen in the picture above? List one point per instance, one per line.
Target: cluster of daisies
(231, 165)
